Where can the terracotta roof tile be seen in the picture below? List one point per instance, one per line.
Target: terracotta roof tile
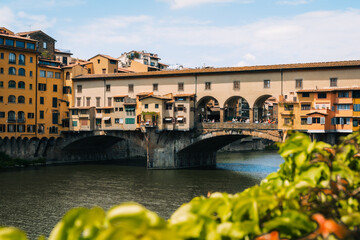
(281, 67)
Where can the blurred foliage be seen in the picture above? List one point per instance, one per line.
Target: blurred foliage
(314, 195)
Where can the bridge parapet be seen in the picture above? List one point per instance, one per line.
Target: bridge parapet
(238, 125)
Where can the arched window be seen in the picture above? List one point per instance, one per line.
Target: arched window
(12, 84)
(21, 99)
(12, 58)
(21, 72)
(21, 116)
(12, 71)
(12, 99)
(67, 76)
(21, 85)
(21, 59)
(11, 116)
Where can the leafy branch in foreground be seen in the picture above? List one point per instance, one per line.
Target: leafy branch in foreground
(314, 195)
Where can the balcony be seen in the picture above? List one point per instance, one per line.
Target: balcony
(11, 120)
(21, 120)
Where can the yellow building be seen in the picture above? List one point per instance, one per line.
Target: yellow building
(52, 104)
(18, 57)
(103, 64)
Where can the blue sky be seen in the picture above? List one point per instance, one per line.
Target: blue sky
(194, 33)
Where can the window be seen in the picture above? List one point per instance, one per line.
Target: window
(266, 83)
(54, 102)
(12, 84)
(67, 76)
(156, 105)
(74, 123)
(1, 84)
(11, 116)
(54, 88)
(98, 101)
(321, 95)
(66, 90)
(356, 107)
(74, 112)
(20, 44)
(21, 116)
(98, 61)
(333, 82)
(207, 85)
(107, 121)
(11, 99)
(42, 87)
(30, 45)
(49, 74)
(30, 128)
(21, 59)
(41, 114)
(30, 74)
(2, 70)
(12, 58)
(180, 86)
(31, 115)
(236, 85)
(315, 120)
(78, 101)
(131, 88)
(1, 55)
(88, 101)
(340, 120)
(2, 127)
(305, 106)
(79, 88)
(42, 100)
(55, 118)
(155, 87)
(2, 114)
(44, 45)
(31, 59)
(65, 60)
(288, 107)
(108, 87)
(121, 109)
(21, 72)
(118, 99)
(343, 107)
(305, 94)
(1, 99)
(30, 100)
(57, 75)
(42, 73)
(107, 111)
(11, 128)
(146, 106)
(104, 70)
(12, 71)
(343, 94)
(21, 99)
(117, 120)
(287, 121)
(303, 121)
(168, 106)
(129, 120)
(9, 42)
(83, 111)
(298, 83)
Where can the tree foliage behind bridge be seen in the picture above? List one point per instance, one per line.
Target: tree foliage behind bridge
(314, 195)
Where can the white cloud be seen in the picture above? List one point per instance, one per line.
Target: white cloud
(177, 4)
(34, 22)
(7, 17)
(293, 2)
(313, 36)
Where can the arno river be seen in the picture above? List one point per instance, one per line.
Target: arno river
(35, 199)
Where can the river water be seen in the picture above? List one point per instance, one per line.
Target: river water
(35, 199)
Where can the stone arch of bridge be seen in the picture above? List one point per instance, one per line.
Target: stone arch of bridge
(263, 109)
(236, 108)
(215, 140)
(208, 109)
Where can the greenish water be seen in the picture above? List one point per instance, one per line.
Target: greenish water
(35, 199)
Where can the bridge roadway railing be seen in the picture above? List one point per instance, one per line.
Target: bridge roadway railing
(237, 125)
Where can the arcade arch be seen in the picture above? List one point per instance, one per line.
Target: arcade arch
(236, 108)
(208, 109)
(265, 109)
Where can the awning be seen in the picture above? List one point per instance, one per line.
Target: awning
(168, 119)
(106, 118)
(180, 119)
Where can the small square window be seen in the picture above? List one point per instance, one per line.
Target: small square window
(207, 85)
(333, 82)
(266, 83)
(236, 85)
(155, 87)
(180, 86)
(108, 87)
(298, 83)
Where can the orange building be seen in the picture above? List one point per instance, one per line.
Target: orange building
(18, 58)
